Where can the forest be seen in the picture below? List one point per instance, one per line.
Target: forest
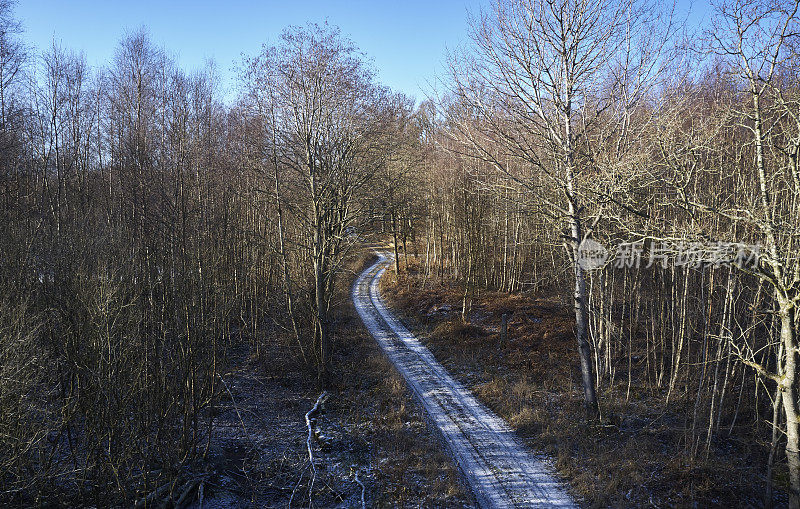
(154, 236)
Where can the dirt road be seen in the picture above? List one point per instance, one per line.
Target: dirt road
(497, 467)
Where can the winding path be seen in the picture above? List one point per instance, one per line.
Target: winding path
(497, 467)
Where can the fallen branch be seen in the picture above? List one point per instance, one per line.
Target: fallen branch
(148, 500)
(363, 491)
(187, 490)
(311, 424)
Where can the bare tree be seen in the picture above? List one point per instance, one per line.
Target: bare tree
(13, 57)
(326, 117)
(544, 76)
(745, 147)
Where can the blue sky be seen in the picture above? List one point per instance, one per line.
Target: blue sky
(407, 39)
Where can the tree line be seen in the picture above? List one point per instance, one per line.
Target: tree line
(151, 233)
(618, 123)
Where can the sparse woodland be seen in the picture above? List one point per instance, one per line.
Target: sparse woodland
(149, 228)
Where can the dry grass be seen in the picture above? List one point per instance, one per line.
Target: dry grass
(370, 425)
(408, 467)
(407, 463)
(635, 457)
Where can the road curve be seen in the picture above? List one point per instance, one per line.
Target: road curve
(498, 469)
